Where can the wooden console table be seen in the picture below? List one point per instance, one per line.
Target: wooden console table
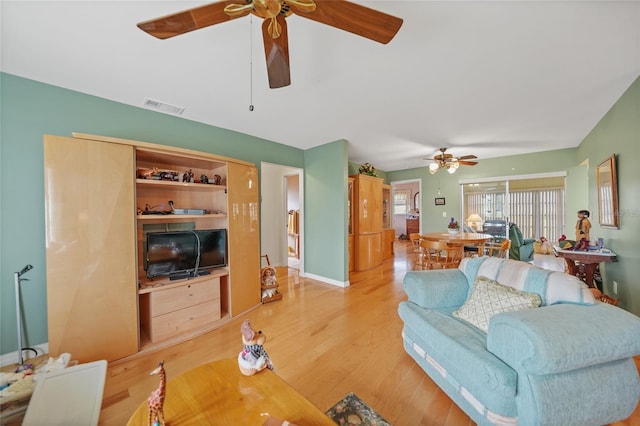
(218, 394)
(590, 259)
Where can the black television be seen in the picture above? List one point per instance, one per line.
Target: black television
(183, 254)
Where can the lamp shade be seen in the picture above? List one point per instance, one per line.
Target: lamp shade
(474, 221)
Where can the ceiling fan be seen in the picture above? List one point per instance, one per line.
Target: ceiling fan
(449, 162)
(342, 14)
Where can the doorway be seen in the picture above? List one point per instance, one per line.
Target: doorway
(406, 206)
(282, 190)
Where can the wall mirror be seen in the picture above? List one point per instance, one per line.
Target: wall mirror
(607, 183)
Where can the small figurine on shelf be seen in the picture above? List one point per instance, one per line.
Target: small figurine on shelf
(204, 179)
(156, 399)
(253, 357)
(217, 179)
(188, 176)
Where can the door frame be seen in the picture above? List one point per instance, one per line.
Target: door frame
(274, 215)
(400, 182)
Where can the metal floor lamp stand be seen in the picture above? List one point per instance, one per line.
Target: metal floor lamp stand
(17, 280)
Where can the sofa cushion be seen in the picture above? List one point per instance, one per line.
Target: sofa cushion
(437, 288)
(489, 297)
(552, 286)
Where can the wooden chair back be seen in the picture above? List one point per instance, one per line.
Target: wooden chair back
(498, 249)
(439, 255)
(418, 251)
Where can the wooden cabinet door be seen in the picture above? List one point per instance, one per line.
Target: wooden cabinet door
(90, 249)
(244, 237)
(365, 207)
(369, 204)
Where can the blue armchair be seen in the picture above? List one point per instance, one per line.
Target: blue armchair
(521, 248)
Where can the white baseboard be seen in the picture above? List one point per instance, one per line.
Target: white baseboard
(342, 284)
(13, 358)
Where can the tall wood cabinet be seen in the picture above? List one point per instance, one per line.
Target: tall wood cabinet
(101, 305)
(367, 205)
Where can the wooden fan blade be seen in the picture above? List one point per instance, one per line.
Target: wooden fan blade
(276, 51)
(354, 18)
(467, 157)
(467, 163)
(189, 20)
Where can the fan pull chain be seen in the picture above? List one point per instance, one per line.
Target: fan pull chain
(251, 63)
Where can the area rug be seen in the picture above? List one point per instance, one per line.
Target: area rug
(351, 411)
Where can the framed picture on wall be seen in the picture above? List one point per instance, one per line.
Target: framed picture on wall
(440, 201)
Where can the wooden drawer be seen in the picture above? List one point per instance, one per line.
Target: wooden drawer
(184, 320)
(172, 299)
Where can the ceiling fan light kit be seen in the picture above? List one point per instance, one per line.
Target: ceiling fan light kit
(341, 14)
(449, 162)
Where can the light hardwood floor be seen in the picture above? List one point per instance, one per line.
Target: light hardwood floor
(324, 341)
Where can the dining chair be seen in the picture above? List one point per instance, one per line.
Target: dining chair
(500, 249)
(439, 255)
(418, 251)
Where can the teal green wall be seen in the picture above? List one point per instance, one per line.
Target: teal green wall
(326, 242)
(618, 132)
(28, 111)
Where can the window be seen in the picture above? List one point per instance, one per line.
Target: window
(535, 204)
(401, 201)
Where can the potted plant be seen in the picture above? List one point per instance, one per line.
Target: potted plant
(453, 226)
(367, 169)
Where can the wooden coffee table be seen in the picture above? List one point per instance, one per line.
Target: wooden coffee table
(218, 394)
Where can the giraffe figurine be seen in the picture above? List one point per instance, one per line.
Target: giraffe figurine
(156, 399)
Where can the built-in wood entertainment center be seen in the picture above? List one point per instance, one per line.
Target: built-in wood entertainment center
(102, 197)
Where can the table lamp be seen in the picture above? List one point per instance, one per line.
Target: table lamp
(475, 222)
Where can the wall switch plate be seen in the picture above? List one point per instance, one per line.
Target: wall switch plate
(615, 287)
(444, 214)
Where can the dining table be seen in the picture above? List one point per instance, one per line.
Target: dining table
(458, 238)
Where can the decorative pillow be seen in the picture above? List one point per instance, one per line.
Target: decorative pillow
(489, 297)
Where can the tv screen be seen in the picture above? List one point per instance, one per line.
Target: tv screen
(178, 253)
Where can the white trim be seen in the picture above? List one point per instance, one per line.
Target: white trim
(499, 420)
(515, 177)
(342, 284)
(436, 365)
(418, 349)
(13, 358)
(479, 407)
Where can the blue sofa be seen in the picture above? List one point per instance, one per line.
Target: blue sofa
(567, 362)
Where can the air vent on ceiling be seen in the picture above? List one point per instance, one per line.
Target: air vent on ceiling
(163, 106)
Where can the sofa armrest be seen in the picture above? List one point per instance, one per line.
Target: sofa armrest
(563, 337)
(440, 288)
(528, 241)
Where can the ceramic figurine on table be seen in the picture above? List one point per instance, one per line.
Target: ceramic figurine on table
(156, 399)
(253, 357)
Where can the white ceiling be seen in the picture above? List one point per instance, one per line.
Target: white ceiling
(490, 78)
